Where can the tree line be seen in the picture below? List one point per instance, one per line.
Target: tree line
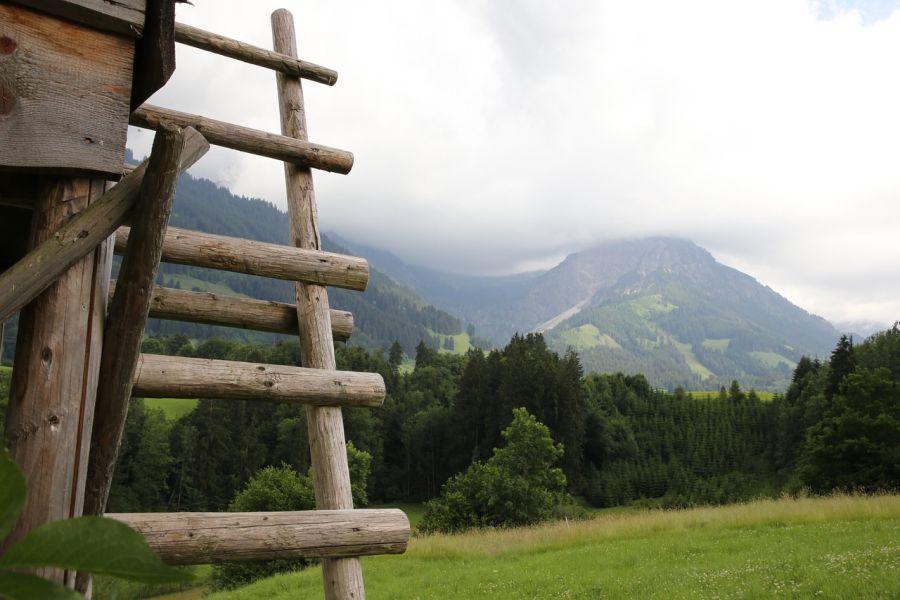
(621, 440)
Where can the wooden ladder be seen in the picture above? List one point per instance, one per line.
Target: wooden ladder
(334, 532)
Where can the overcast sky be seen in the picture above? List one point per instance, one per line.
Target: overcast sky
(493, 137)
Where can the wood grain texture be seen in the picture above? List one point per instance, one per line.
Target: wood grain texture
(121, 16)
(231, 311)
(342, 577)
(159, 376)
(78, 236)
(57, 360)
(64, 95)
(219, 44)
(246, 139)
(186, 247)
(127, 313)
(201, 538)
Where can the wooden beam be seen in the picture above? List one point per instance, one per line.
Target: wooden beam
(246, 139)
(186, 538)
(127, 313)
(231, 311)
(159, 376)
(186, 247)
(122, 16)
(51, 404)
(64, 95)
(218, 44)
(79, 236)
(342, 576)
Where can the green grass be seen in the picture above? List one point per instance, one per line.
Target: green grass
(764, 396)
(461, 342)
(838, 547)
(695, 365)
(414, 512)
(188, 283)
(648, 305)
(773, 359)
(174, 408)
(717, 344)
(587, 336)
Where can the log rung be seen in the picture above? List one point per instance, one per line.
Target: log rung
(197, 249)
(231, 311)
(246, 139)
(159, 376)
(219, 44)
(199, 538)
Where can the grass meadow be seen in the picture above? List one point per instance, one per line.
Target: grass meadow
(835, 547)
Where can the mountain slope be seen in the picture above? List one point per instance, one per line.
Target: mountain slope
(659, 306)
(385, 312)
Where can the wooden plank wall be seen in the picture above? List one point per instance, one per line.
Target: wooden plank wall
(45, 62)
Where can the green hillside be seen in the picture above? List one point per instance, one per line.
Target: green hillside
(838, 547)
(385, 312)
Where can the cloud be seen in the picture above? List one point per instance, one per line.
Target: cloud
(495, 136)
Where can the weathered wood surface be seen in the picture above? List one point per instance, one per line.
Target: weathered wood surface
(246, 139)
(121, 16)
(186, 247)
(231, 311)
(201, 538)
(159, 376)
(51, 404)
(64, 95)
(218, 44)
(342, 577)
(127, 313)
(154, 51)
(78, 236)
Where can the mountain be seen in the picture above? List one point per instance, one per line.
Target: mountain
(384, 313)
(659, 306)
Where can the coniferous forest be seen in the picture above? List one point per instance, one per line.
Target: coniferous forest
(622, 442)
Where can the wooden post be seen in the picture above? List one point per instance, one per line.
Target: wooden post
(51, 407)
(77, 237)
(343, 576)
(128, 313)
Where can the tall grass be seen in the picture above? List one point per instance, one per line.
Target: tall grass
(836, 547)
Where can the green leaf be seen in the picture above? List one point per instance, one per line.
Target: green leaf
(93, 544)
(21, 586)
(12, 493)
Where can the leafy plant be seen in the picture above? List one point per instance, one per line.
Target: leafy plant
(90, 544)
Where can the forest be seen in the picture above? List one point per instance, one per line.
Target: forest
(622, 441)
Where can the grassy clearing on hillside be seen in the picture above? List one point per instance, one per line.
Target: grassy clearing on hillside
(587, 336)
(188, 282)
(838, 547)
(687, 351)
(701, 394)
(461, 342)
(773, 359)
(174, 408)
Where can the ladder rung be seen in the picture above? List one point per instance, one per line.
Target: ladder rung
(219, 44)
(159, 376)
(231, 311)
(246, 139)
(199, 538)
(197, 249)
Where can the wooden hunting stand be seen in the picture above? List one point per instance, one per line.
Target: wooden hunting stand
(73, 75)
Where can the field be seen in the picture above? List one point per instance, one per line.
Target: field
(838, 547)
(174, 408)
